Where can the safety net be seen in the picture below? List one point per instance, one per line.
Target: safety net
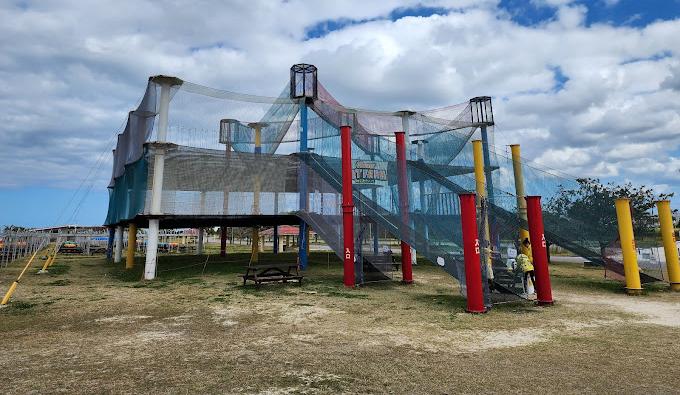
(228, 154)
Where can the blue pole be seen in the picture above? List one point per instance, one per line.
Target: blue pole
(109, 248)
(487, 164)
(302, 237)
(276, 239)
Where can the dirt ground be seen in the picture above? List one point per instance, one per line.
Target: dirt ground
(90, 327)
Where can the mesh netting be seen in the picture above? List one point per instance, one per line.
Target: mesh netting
(229, 154)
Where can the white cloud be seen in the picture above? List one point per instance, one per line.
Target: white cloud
(71, 72)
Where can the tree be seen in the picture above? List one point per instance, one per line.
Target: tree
(591, 204)
(14, 228)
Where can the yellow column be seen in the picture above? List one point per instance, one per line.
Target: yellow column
(669, 246)
(519, 192)
(14, 285)
(630, 265)
(255, 246)
(480, 187)
(132, 246)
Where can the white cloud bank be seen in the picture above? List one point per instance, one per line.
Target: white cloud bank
(70, 71)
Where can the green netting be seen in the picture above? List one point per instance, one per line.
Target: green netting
(127, 197)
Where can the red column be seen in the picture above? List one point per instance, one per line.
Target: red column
(223, 241)
(406, 268)
(347, 207)
(539, 251)
(473, 269)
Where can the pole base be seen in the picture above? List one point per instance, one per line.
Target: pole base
(476, 311)
(545, 302)
(2, 306)
(407, 282)
(41, 271)
(634, 291)
(675, 287)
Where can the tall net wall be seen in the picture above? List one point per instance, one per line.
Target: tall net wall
(255, 167)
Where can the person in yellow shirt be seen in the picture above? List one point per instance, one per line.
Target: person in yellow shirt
(524, 264)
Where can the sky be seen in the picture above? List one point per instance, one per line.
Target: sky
(588, 87)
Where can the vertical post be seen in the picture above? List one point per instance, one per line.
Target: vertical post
(519, 192)
(151, 250)
(627, 238)
(406, 127)
(303, 234)
(223, 241)
(669, 246)
(347, 206)
(199, 244)
(538, 247)
(118, 245)
(473, 271)
(275, 239)
(254, 246)
(420, 152)
(480, 188)
(487, 163)
(166, 83)
(406, 260)
(132, 246)
(109, 248)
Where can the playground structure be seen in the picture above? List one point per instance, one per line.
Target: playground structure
(192, 156)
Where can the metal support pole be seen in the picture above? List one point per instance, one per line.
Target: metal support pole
(275, 239)
(347, 207)
(519, 192)
(538, 246)
(109, 247)
(420, 151)
(406, 261)
(669, 246)
(473, 271)
(166, 84)
(627, 238)
(223, 241)
(118, 245)
(132, 246)
(151, 250)
(199, 243)
(304, 231)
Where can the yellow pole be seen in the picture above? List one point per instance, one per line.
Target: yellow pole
(255, 249)
(669, 246)
(519, 192)
(627, 238)
(48, 261)
(13, 287)
(132, 246)
(480, 187)
(54, 256)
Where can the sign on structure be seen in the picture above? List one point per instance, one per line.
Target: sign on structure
(367, 172)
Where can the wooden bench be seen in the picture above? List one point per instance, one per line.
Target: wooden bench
(272, 273)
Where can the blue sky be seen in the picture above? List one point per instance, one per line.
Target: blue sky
(589, 87)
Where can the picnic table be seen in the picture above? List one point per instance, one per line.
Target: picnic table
(272, 273)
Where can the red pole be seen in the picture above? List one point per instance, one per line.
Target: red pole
(406, 265)
(223, 241)
(473, 269)
(539, 251)
(347, 206)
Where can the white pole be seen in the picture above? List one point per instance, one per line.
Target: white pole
(199, 246)
(151, 240)
(118, 244)
(166, 84)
